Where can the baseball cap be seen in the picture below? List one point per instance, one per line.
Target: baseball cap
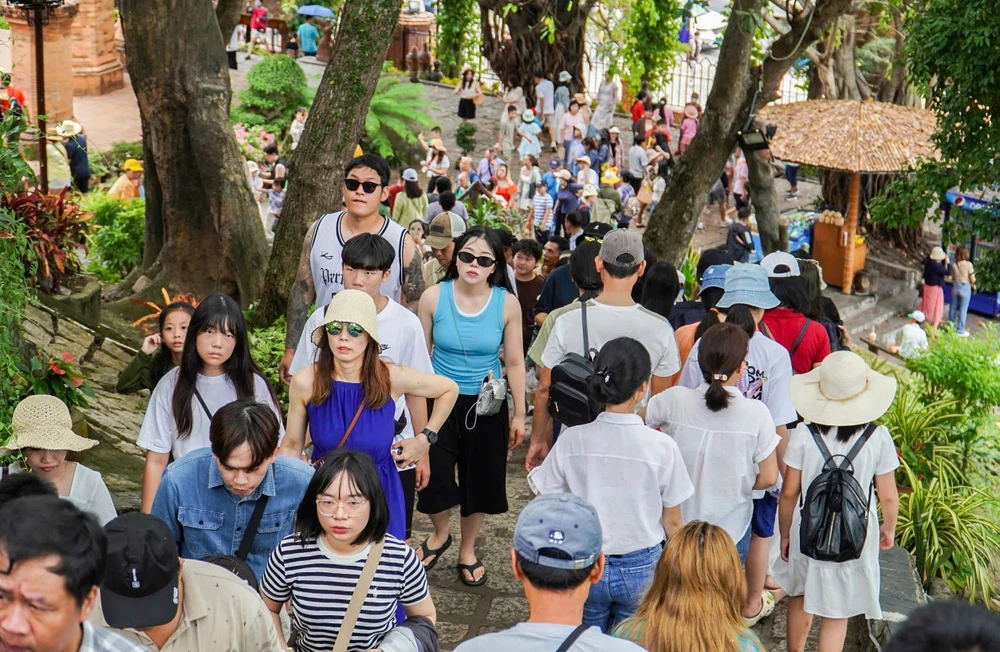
(141, 573)
(409, 174)
(780, 264)
(715, 277)
(561, 521)
(595, 232)
(711, 257)
(917, 316)
(443, 229)
(554, 164)
(622, 247)
(132, 165)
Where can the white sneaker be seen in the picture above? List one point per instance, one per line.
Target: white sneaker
(964, 334)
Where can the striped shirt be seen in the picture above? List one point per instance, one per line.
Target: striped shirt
(320, 583)
(540, 204)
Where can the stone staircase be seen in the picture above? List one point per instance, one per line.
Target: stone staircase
(884, 312)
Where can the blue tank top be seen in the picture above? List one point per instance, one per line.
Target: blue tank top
(480, 335)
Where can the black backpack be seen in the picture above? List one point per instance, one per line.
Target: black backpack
(835, 510)
(569, 401)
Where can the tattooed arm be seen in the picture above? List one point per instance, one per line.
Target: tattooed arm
(299, 300)
(413, 274)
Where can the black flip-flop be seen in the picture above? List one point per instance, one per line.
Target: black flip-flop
(437, 552)
(471, 568)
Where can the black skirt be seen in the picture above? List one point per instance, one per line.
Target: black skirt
(467, 109)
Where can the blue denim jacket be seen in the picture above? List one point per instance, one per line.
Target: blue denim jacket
(208, 519)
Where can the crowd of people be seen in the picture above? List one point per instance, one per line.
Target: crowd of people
(664, 460)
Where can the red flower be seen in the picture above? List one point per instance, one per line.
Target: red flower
(67, 357)
(55, 368)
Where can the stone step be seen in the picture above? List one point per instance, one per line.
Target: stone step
(884, 310)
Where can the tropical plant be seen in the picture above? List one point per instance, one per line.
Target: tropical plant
(15, 294)
(490, 214)
(640, 41)
(458, 35)
(14, 169)
(689, 268)
(123, 150)
(947, 527)
(55, 226)
(148, 323)
(277, 86)
(465, 136)
(56, 377)
(252, 141)
(922, 431)
(267, 346)
(118, 234)
(396, 113)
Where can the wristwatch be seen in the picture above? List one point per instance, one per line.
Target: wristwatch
(432, 436)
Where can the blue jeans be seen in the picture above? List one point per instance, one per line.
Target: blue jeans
(618, 593)
(743, 546)
(961, 294)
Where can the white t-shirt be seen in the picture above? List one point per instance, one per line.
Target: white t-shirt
(545, 89)
(913, 343)
(402, 341)
(159, 430)
(605, 323)
(721, 451)
(769, 369)
(627, 471)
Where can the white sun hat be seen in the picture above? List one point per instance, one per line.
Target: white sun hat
(842, 391)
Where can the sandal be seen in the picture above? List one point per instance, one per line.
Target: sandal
(766, 607)
(437, 552)
(472, 568)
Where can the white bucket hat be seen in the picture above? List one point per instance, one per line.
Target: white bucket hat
(44, 422)
(842, 391)
(349, 306)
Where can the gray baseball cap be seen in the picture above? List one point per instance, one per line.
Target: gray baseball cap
(622, 247)
(562, 521)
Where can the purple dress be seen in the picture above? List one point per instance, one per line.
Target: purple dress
(372, 434)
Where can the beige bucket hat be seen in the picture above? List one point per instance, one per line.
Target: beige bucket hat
(350, 306)
(937, 253)
(44, 422)
(842, 391)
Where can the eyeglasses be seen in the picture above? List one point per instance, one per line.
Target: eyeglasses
(369, 186)
(483, 261)
(336, 327)
(352, 507)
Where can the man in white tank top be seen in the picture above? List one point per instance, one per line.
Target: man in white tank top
(320, 273)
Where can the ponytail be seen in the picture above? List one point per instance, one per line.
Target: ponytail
(621, 367)
(709, 297)
(721, 353)
(710, 319)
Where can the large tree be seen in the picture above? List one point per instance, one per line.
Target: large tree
(336, 122)
(739, 89)
(203, 230)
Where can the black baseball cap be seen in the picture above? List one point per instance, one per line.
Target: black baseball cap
(595, 232)
(141, 573)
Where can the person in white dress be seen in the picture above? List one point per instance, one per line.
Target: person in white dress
(607, 100)
(837, 400)
(43, 432)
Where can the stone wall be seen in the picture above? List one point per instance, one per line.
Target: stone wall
(96, 67)
(57, 42)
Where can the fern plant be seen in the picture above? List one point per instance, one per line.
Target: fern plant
(395, 116)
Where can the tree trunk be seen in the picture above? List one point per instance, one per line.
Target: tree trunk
(336, 122)
(765, 204)
(227, 12)
(730, 101)
(202, 222)
(519, 44)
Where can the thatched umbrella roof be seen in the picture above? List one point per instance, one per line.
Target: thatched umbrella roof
(850, 135)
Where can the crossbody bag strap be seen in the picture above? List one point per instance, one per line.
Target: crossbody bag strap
(586, 341)
(571, 639)
(358, 598)
(252, 524)
(347, 434)
(203, 405)
(802, 334)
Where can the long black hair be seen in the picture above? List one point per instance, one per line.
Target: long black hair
(362, 478)
(583, 270)
(659, 292)
(620, 369)
(164, 360)
(499, 277)
(220, 312)
(791, 292)
(721, 353)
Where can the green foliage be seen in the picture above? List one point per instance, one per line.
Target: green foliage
(689, 268)
(642, 46)
(56, 377)
(458, 35)
(964, 368)
(15, 251)
(988, 270)
(13, 167)
(124, 150)
(54, 225)
(118, 234)
(947, 527)
(921, 431)
(466, 137)
(3, 23)
(277, 87)
(395, 115)
(490, 214)
(252, 141)
(267, 346)
(291, 7)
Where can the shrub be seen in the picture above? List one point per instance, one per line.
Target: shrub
(277, 86)
(118, 234)
(123, 150)
(466, 137)
(395, 114)
(57, 377)
(267, 346)
(15, 250)
(252, 141)
(54, 227)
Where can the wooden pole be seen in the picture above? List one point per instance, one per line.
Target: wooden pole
(43, 155)
(850, 232)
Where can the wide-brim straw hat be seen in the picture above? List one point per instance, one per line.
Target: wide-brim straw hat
(54, 137)
(69, 128)
(44, 422)
(842, 391)
(937, 253)
(349, 306)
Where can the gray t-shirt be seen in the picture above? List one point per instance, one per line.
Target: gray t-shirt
(637, 161)
(545, 637)
(434, 209)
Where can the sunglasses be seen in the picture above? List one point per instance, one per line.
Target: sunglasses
(369, 186)
(336, 327)
(483, 261)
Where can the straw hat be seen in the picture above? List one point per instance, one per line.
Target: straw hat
(349, 306)
(589, 190)
(580, 98)
(44, 422)
(609, 178)
(937, 253)
(564, 174)
(691, 111)
(842, 391)
(54, 136)
(69, 128)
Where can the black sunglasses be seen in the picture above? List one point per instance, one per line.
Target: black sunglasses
(483, 261)
(369, 186)
(336, 328)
